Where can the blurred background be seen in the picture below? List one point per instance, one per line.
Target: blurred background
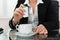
(7, 9)
(6, 12)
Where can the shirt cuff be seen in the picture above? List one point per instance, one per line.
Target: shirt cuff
(13, 23)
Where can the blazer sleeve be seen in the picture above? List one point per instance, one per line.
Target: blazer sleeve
(52, 16)
(11, 22)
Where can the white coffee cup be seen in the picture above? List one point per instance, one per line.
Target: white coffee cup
(25, 28)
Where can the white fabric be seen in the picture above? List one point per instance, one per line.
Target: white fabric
(33, 17)
(38, 1)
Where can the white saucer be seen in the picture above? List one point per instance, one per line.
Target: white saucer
(25, 35)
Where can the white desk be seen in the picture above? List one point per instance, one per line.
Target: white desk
(5, 35)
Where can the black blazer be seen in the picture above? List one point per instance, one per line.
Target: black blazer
(47, 15)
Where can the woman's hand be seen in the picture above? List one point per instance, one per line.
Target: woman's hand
(18, 13)
(41, 29)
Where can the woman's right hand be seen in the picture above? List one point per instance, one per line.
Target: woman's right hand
(18, 13)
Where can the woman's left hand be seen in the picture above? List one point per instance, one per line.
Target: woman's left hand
(41, 29)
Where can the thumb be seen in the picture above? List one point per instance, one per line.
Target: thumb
(36, 29)
(21, 6)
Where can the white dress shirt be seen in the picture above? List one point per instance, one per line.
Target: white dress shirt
(33, 16)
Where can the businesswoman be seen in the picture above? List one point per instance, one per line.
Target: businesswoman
(46, 17)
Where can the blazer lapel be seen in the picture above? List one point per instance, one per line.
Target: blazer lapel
(41, 11)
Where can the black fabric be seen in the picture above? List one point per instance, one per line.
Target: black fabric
(47, 15)
(11, 25)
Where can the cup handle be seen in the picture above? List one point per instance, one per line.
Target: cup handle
(17, 26)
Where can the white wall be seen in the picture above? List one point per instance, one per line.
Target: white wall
(1, 8)
(10, 7)
(6, 8)
(6, 12)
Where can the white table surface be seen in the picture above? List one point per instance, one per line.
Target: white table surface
(5, 34)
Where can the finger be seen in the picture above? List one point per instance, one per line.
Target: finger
(21, 6)
(41, 29)
(45, 32)
(35, 29)
(19, 12)
(22, 9)
(42, 32)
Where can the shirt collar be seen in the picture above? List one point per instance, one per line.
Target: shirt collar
(38, 1)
